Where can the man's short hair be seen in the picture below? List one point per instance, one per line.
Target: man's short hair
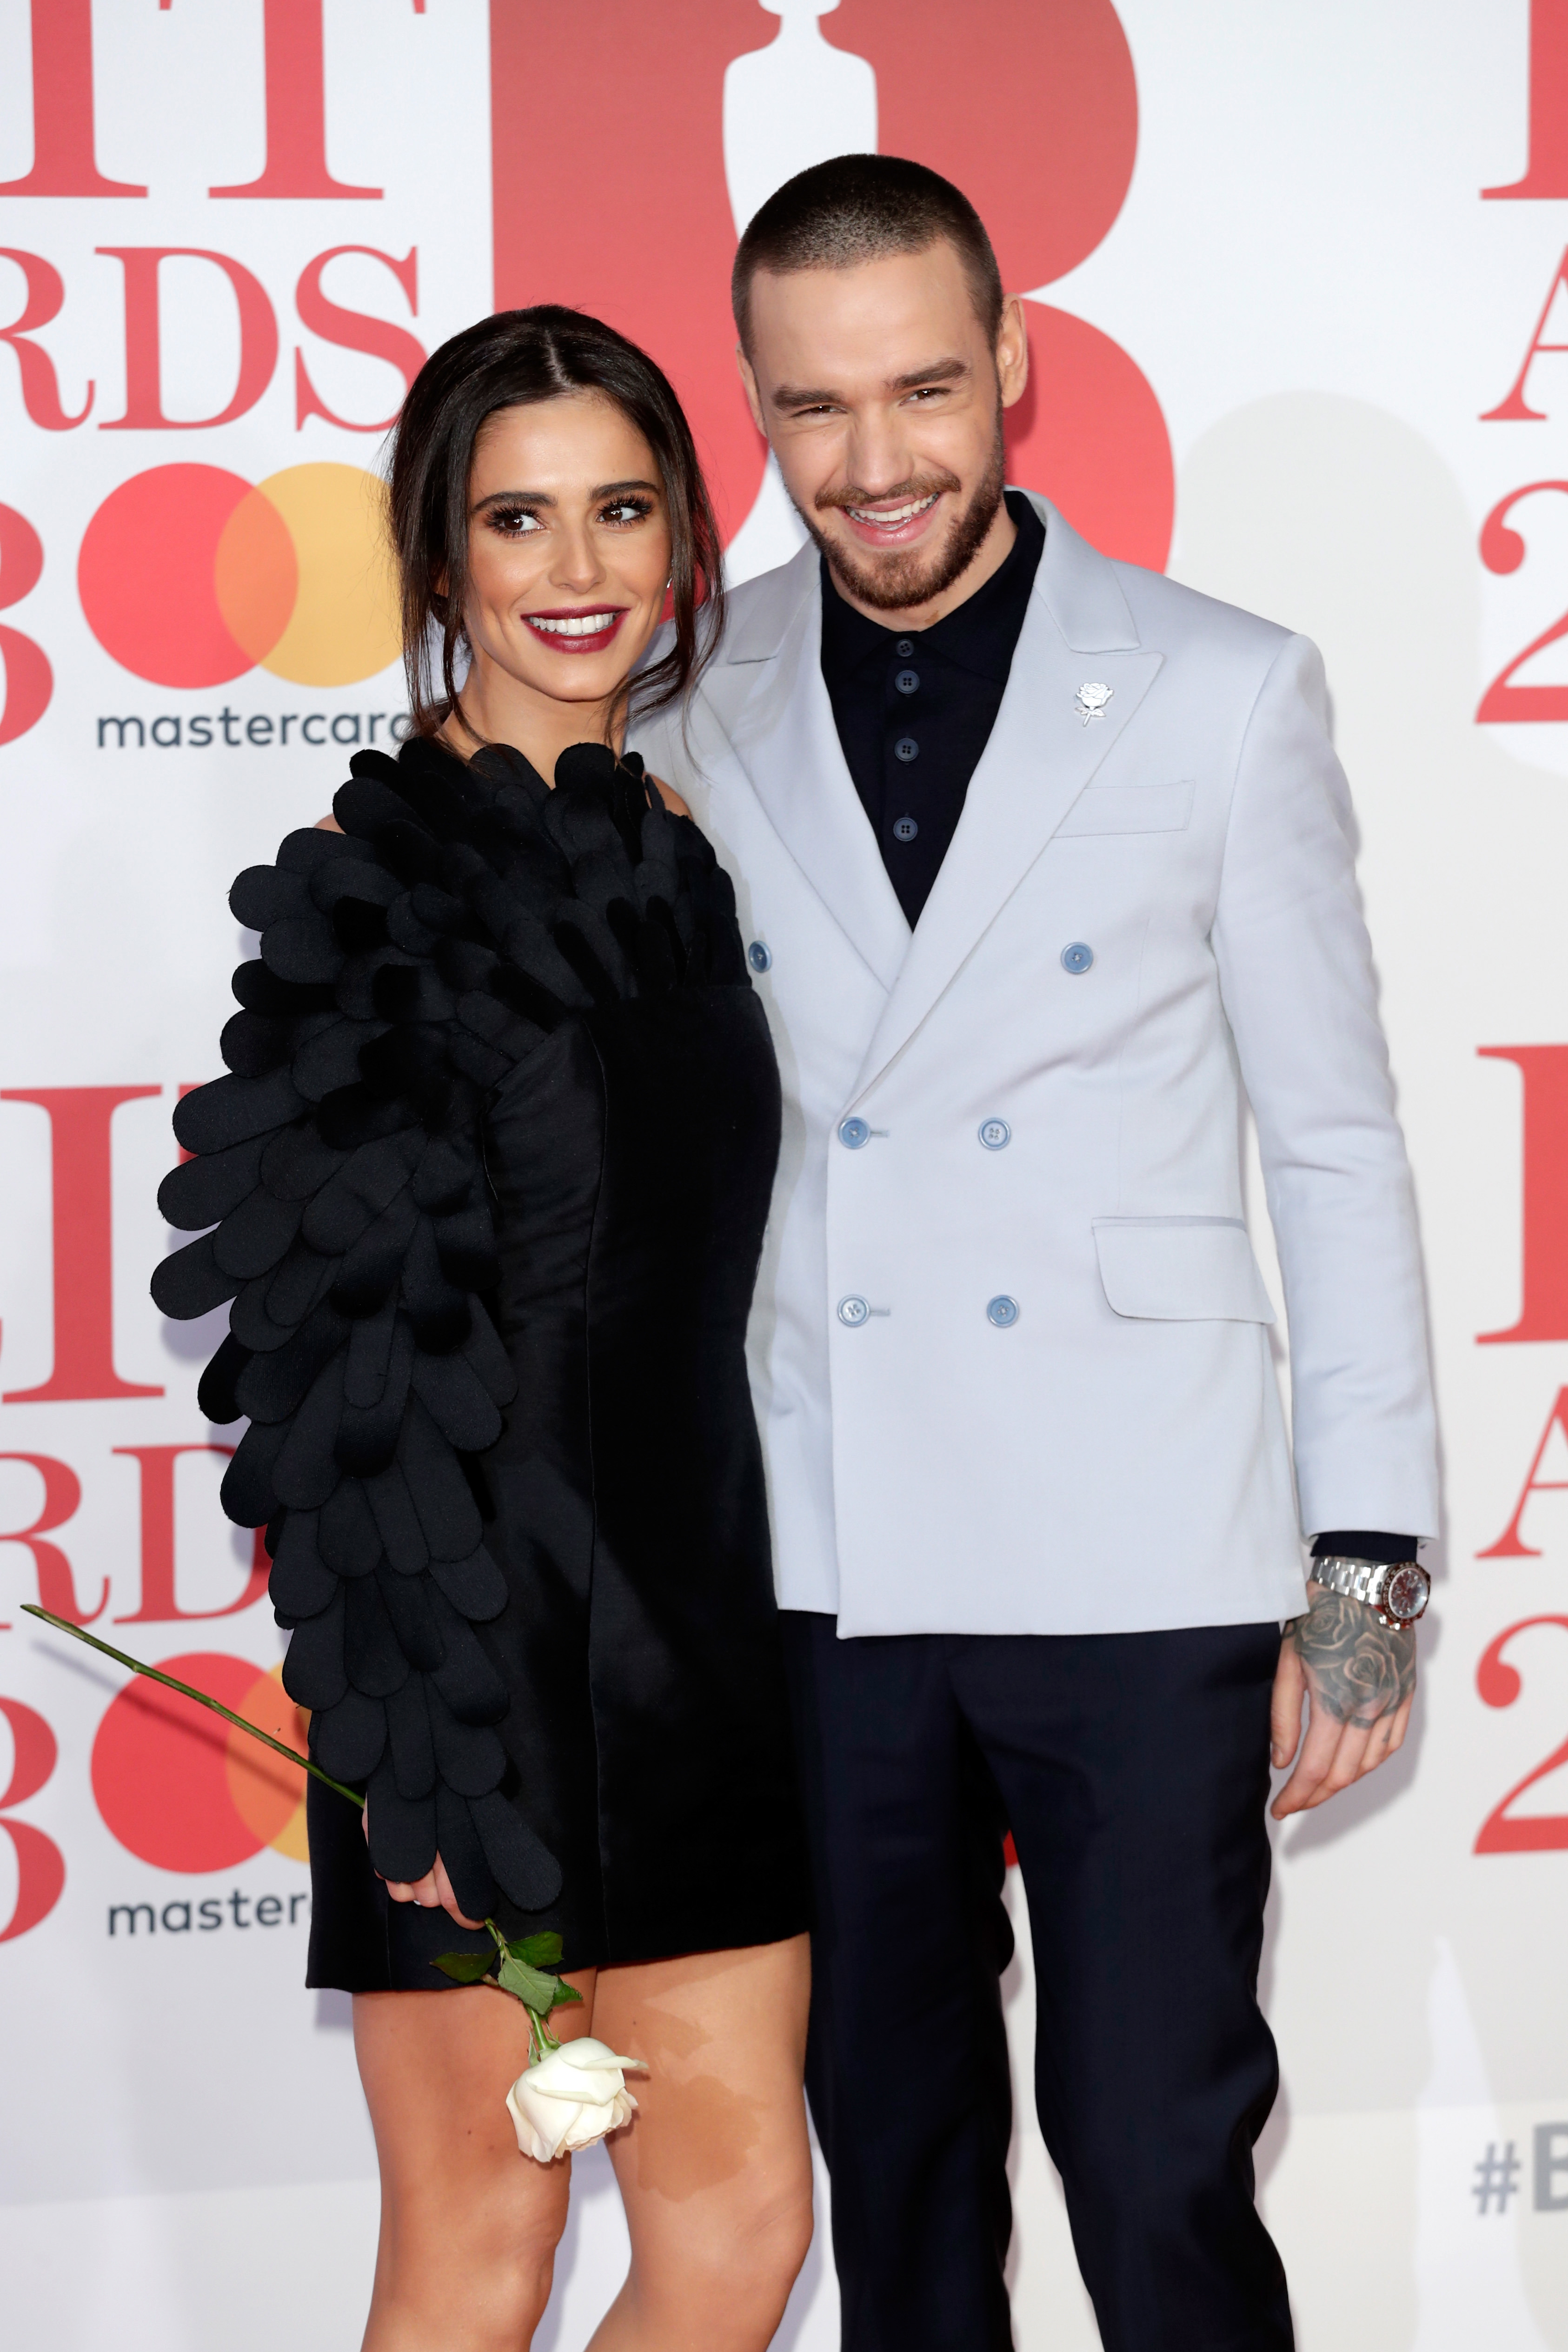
(859, 208)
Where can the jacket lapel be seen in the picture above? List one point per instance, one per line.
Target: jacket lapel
(767, 692)
(1078, 630)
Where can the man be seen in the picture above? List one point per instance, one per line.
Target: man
(1042, 858)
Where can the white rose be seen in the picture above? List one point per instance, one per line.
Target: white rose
(571, 2098)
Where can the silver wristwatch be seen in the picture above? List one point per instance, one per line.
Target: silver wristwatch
(1398, 1591)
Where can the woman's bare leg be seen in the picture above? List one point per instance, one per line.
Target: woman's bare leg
(468, 2226)
(715, 2170)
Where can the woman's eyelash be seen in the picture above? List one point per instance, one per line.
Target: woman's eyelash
(515, 521)
(521, 522)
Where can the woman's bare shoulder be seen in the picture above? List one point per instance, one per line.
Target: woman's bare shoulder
(670, 798)
(328, 824)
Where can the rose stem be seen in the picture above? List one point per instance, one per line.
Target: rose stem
(78, 1634)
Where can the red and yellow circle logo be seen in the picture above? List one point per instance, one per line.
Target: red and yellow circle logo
(182, 1789)
(189, 575)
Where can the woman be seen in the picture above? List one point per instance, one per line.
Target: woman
(492, 1170)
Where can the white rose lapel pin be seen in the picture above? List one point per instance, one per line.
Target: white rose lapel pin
(1090, 699)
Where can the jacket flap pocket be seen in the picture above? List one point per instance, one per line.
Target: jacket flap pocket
(1181, 1269)
(1129, 808)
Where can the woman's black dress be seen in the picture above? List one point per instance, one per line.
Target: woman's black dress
(490, 1179)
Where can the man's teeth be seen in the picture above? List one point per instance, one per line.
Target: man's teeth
(581, 624)
(889, 518)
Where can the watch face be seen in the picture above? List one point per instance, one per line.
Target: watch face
(1407, 1591)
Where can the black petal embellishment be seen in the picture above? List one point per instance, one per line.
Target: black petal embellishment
(199, 1191)
(469, 1757)
(457, 1405)
(297, 1163)
(413, 1750)
(313, 1670)
(402, 1828)
(472, 1882)
(191, 1282)
(274, 1383)
(397, 1521)
(351, 1738)
(254, 1043)
(408, 1603)
(303, 949)
(248, 1494)
(524, 1868)
(372, 1656)
(231, 1111)
(263, 895)
(466, 1679)
(440, 1494)
(367, 1436)
(368, 1182)
(257, 1235)
(306, 1471)
(302, 1584)
(214, 1390)
(370, 1356)
(349, 1538)
(475, 1587)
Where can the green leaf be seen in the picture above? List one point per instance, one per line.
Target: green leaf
(468, 1968)
(537, 1951)
(565, 1993)
(538, 1990)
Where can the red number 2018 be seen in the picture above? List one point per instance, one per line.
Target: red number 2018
(1502, 1833)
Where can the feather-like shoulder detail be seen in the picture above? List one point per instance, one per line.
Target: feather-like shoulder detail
(408, 965)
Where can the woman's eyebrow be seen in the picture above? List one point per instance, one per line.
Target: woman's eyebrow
(546, 498)
(518, 498)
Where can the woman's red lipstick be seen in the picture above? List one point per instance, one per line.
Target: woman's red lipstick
(592, 626)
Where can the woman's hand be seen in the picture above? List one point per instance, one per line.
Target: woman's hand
(434, 1888)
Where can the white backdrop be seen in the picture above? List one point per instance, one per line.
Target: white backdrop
(1304, 277)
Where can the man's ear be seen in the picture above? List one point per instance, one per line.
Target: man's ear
(754, 397)
(1012, 352)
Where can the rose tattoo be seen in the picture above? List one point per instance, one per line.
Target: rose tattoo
(1359, 1670)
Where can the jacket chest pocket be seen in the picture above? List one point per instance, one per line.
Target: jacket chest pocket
(1181, 1270)
(1129, 808)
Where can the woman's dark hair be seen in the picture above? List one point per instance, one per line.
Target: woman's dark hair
(510, 360)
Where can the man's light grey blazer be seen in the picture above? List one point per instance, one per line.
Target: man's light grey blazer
(1114, 1457)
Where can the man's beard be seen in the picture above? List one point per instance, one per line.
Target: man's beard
(898, 582)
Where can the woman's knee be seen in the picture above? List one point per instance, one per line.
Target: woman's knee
(480, 2264)
(746, 2253)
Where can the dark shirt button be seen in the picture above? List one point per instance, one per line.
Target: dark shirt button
(905, 646)
(907, 681)
(759, 956)
(906, 748)
(905, 828)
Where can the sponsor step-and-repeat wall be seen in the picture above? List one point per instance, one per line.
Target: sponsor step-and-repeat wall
(1298, 314)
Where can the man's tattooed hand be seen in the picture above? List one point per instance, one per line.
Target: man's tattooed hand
(1359, 1671)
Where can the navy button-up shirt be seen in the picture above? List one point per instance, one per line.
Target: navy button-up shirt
(914, 709)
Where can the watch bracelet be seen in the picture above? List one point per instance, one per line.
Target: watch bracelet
(1354, 1579)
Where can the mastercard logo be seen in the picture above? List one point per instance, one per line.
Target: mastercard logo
(190, 575)
(182, 1789)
